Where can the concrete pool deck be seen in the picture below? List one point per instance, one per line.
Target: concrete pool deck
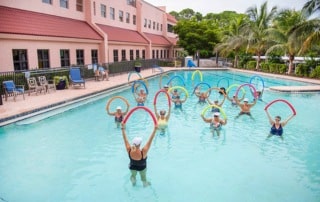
(11, 111)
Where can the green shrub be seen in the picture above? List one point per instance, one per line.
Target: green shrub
(273, 68)
(265, 66)
(282, 68)
(251, 65)
(302, 70)
(315, 73)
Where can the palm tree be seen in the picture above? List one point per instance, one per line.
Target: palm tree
(311, 6)
(258, 29)
(283, 35)
(233, 39)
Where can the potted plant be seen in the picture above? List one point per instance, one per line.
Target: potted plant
(137, 66)
(61, 82)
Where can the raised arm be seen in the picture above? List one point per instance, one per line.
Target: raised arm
(205, 119)
(168, 114)
(271, 121)
(125, 139)
(288, 119)
(156, 111)
(146, 148)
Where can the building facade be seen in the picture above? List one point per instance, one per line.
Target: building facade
(37, 34)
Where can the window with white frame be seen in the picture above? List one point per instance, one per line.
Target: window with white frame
(103, 11)
(79, 5)
(112, 17)
(64, 3)
(127, 17)
(121, 16)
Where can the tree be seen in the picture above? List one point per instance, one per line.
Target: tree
(311, 7)
(195, 35)
(258, 29)
(283, 36)
(233, 39)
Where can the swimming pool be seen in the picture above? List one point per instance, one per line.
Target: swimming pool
(79, 155)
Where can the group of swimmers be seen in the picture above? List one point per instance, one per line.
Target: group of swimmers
(138, 154)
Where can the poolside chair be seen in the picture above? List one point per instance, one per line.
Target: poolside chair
(34, 87)
(46, 84)
(75, 77)
(11, 89)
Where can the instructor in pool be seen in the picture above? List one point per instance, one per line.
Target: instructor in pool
(138, 155)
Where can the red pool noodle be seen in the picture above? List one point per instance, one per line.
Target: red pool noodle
(281, 100)
(250, 85)
(140, 107)
(156, 96)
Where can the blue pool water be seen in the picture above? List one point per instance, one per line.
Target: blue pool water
(79, 155)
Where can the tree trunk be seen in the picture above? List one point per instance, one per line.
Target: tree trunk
(258, 62)
(291, 58)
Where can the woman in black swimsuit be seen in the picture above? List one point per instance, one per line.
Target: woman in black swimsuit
(138, 156)
(118, 115)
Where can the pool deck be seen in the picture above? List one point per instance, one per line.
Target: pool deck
(12, 111)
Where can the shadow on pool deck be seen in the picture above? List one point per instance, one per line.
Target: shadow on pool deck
(12, 111)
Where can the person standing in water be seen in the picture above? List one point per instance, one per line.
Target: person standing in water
(138, 156)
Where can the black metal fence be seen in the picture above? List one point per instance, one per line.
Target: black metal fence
(19, 77)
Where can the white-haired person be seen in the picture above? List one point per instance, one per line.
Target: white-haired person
(215, 122)
(118, 115)
(245, 107)
(138, 155)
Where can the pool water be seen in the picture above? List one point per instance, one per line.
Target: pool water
(79, 155)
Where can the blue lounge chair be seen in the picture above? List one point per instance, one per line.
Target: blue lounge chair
(156, 68)
(11, 89)
(75, 77)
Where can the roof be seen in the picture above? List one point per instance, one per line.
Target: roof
(158, 39)
(173, 40)
(171, 18)
(16, 21)
(122, 35)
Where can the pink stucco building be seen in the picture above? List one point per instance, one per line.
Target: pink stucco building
(55, 33)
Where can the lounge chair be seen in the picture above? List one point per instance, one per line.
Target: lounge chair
(47, 85)
(11, 89)
(75, 77)
(34, 87)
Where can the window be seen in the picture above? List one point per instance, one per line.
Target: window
(157, 53)
(154, 25)
(94, 56)
(121, 16)
(43, 58)
(127, 17)
(47, 1)
(115, 56)
(143, 54)
(20, 59)
(94, 8)
(161, 53)
(170, 28)
(64, 4)
(137, 54)
(79, 5)
(80, 56)
(153, 54)
(134, 19)
(112, 13)
(145, 22)
(123, 55)
(103, 11)
(64, 57)
(131, 2)
(131, 54)
(157, 26)
(149, 26)
(160, 27)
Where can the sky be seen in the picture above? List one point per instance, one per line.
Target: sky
(217, 6)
